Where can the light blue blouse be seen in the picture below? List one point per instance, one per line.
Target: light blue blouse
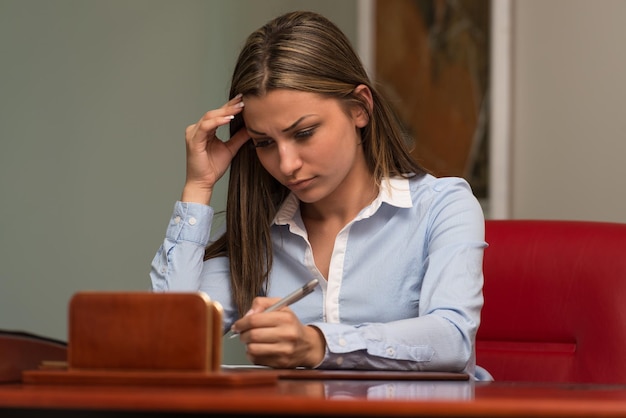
(404, 290)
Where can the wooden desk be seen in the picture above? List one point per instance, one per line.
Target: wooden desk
(327, 398)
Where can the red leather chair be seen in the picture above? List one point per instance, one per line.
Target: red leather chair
(21, 351)
(555, 302)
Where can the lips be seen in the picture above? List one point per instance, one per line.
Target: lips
(299, 184)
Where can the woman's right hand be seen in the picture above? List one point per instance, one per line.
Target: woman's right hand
(208, 157)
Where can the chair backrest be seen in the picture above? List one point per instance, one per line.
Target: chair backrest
(555, 302)
(21, 351)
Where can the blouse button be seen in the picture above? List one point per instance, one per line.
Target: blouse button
(342, 342)
(177, 220)
(390, 351)
(192, 221)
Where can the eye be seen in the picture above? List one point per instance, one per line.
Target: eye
(305, 133)
(262, 143)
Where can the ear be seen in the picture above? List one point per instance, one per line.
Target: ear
(360, 116)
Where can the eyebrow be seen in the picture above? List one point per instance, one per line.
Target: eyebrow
(287, 129)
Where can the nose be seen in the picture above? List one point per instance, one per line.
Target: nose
(290, 160)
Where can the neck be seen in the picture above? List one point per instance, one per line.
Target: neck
(345, 203)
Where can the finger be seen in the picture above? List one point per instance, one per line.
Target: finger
(208, 127)
(215, 118)
(230, 108)
(263, 335)
(256, 321)
(236, 141)
(273, 355)
(259, 304)
(232, 102)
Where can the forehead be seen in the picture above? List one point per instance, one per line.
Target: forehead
(280, 108)
(285, 98)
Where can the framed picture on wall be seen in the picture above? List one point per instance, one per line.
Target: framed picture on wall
(432, 59)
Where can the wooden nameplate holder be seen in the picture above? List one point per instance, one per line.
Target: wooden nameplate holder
(144, 338)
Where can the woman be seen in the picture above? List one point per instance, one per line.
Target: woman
(322, 185)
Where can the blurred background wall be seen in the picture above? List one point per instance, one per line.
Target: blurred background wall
(569, 110)
(95, 96)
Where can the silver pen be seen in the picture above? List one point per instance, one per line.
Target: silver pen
(289, 299)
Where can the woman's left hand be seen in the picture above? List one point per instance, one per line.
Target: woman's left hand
(278, 339)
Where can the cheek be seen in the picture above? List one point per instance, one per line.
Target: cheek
(346, 145)
(336, 159)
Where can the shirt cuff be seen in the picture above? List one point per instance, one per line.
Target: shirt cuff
(347, 347)
(340, 340)
(190, 222)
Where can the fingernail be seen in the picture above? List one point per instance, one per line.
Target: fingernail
(239, 96)
(250, 312)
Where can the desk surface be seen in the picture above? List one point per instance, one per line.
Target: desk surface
(319, 397)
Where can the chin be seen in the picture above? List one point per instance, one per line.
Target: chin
(311, 197)
(306, 198)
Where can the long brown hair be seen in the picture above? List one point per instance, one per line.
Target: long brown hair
(306, 52)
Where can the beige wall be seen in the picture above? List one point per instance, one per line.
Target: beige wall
(569, 110)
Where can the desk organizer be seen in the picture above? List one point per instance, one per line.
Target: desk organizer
(144, 338)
